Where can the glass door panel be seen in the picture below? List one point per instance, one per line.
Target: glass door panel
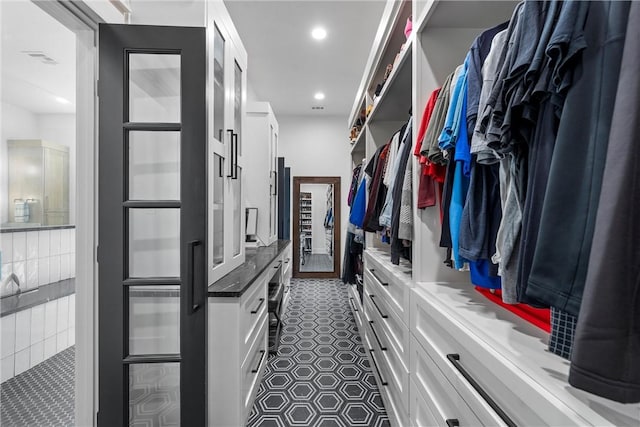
(238, 214)
(218, 210)
(237, 106)
(154, 165)
(154, 242)
(157, 402)
(154, 88)
(218, 85)
(154, 320)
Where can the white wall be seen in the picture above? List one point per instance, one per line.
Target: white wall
(318, 146)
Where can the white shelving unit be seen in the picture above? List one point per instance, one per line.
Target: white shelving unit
(306, 225)
(431, 339)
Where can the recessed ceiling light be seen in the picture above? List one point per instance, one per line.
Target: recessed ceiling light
(319, 96)
(319, 33)
(62, 100)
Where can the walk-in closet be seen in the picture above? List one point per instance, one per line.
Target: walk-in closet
(380, 213)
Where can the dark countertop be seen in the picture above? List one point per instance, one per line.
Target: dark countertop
(31, 227)
(239, 280)
(33, 297)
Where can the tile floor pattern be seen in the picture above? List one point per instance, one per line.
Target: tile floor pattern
(316, 263)
(320, 375)
(41, 396)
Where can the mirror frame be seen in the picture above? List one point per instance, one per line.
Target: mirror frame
(337, 247)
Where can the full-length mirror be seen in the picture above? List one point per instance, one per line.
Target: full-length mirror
(316, 226)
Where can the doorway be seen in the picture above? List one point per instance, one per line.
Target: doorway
(47, 129)
(316, 227)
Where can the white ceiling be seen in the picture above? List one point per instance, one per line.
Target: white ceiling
(286, 66)
(27, 81)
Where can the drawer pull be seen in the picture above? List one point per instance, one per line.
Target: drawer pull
(375, 365)
(286, 261)
(257, 368)
(375, 276)
(452, 422)
(353, 307)
(383, 348)
(255, 310)
(384, 316)
(455, 361)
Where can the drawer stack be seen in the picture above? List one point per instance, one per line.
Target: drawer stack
(442, 355)
(385, 322)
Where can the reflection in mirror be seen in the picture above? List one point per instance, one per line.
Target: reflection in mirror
(316, 228)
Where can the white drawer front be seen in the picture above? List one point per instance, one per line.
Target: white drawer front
(442, 398)
(253, 367)
(398, 416)
(420, 411)
(390, 323)
(356, 307)
(390, 363)
(518, 396)
(253, 309)
(287, 261)
(395, 291)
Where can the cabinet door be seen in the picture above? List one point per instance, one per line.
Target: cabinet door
(217, 40)
(227, 85)
(273, 225)
(238, 67)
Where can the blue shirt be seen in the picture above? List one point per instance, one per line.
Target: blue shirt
(452, 124)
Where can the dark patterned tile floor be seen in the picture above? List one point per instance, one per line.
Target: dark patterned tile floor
(320, 375)
(41, 396)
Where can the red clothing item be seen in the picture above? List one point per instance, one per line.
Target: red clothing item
(430, 172)
(426, 116)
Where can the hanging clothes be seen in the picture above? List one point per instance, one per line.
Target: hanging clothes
(607, 343)
(353, 187)
(401, 209)
(575, 177)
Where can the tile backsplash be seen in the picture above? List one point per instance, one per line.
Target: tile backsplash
(37, 258)
(33, 335)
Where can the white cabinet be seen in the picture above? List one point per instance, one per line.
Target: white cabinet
(38, 182)
(385, 317)
(227, 66)
(238, 335)
(261, 168)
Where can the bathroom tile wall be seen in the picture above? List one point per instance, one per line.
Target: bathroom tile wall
(37, 258)
(33, 335)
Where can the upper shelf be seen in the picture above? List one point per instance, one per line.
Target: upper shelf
(358, 147)
(394, 101)
(386, 44)
(463, 14)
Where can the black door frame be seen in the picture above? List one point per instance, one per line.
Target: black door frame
(115, 43)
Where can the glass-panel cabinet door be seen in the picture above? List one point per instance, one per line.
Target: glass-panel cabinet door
(226, 61)
(217, 81)
(238, 96)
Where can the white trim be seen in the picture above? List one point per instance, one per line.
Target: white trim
(86, 231)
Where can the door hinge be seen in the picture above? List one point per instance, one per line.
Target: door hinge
(98, 88)
(98, 254)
